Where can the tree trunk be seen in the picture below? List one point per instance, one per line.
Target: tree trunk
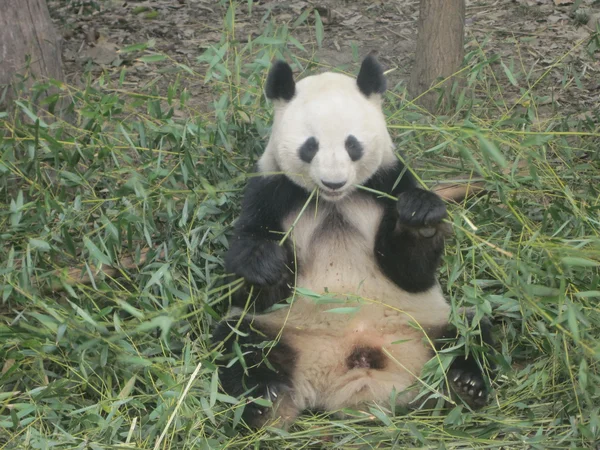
(27, 30)
(440, 48)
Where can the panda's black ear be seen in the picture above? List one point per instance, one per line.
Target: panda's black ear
(280, 82)
(371, 79)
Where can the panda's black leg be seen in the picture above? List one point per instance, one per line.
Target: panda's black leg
(266, 371)
(465, 375)
(410, 240)
(468, 382)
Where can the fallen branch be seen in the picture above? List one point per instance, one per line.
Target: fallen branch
(459, 192)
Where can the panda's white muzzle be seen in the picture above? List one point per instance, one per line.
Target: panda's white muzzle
(334, 172)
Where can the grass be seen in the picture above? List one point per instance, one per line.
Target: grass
(116, 208)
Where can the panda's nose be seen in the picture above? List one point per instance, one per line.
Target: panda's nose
(333, 186)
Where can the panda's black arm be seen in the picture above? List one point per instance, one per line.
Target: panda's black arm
(254, 252)
(410, 239)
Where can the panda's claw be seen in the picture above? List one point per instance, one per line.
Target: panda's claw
(470, 386)
(271, 393)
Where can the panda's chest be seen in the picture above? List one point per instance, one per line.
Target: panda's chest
(334, 244)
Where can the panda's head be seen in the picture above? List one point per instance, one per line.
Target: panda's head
(329, 130)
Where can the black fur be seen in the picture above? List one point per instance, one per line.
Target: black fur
(354, 148)
(420, 208)
(408, 246)
(258, 259)
(260, 298)
(280, 82)
(308, 150)
(268, 369)
(410, 239)
(254, 251)
(371, 79)
(465, 375)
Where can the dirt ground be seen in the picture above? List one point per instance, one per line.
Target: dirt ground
(530, 34)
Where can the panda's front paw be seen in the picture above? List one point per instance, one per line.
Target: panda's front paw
(259, 261)
(469, 385)
(423, 211)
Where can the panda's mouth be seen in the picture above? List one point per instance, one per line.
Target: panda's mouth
(332, 195)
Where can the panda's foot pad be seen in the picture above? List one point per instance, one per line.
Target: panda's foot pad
(470, 386)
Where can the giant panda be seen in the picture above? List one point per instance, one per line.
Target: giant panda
(338, 249)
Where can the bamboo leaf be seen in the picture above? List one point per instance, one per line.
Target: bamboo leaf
(576, 261)
(509, 74)
(493, 151)
(95, 252)
(318, 28)
(344, 310)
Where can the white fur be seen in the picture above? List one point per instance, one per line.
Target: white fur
(338, 260)
(340, 263)
(328, 107)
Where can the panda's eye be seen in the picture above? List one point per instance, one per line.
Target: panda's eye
(354, 148)
(308, 150)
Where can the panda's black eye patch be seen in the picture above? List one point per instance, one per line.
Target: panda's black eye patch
(354, 148)
(308, 150)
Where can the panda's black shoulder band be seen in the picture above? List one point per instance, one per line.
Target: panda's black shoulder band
(267, 200)
(392, 180)
(280, 82)
(371, 79)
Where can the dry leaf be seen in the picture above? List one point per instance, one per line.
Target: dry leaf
(103, 53)
(350, 22)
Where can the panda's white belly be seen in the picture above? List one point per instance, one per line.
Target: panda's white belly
(333, 246)
(334, 250)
